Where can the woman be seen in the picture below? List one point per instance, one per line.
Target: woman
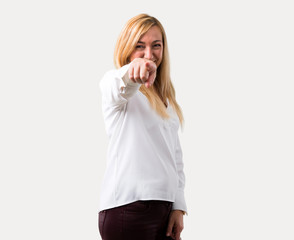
(142, 194)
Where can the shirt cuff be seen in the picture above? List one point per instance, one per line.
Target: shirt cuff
(127, 86)
(180, 203)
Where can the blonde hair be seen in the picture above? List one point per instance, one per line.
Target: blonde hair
(162, 88)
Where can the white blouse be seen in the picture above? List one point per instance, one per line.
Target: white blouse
(144, 159)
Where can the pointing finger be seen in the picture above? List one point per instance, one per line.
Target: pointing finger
(151, 78)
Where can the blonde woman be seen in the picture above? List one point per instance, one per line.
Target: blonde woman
(142, 195)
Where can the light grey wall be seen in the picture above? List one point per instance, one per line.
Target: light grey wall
(232, 66)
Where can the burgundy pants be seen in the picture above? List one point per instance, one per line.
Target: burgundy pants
(140, 220)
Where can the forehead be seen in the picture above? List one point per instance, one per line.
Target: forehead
(154, 33)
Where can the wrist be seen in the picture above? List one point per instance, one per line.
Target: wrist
(181, 211)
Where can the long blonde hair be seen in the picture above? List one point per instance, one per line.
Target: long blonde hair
(162, 88)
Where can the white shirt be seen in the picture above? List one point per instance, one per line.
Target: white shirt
(144, 159)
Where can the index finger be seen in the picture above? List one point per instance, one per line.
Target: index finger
(151, 79)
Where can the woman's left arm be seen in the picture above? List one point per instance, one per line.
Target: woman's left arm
(180, 202)
(176, 223)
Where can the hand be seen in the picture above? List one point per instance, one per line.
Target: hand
(175, 224)
(143, 71)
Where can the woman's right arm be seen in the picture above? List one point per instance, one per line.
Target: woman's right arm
(117, 86)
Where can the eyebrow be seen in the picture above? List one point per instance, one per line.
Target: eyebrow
(152, 42)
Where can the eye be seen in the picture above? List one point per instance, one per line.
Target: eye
(139, 47)
(157, 45)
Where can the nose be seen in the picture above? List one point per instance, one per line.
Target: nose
(148, 54)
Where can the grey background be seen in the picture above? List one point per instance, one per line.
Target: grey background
(232, 66)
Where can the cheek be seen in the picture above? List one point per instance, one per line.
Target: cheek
(159, 55)
(135, 55)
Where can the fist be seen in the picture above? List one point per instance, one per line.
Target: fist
(143, 71)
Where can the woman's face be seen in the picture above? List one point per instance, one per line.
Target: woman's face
(150, 46)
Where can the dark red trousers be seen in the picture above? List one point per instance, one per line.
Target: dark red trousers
(141, 220)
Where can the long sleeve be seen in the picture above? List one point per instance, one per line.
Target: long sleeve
(180, 203)
(117, 88)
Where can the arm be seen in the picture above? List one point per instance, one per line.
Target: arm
(118, 86)
(176, 223)
(180, 203)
